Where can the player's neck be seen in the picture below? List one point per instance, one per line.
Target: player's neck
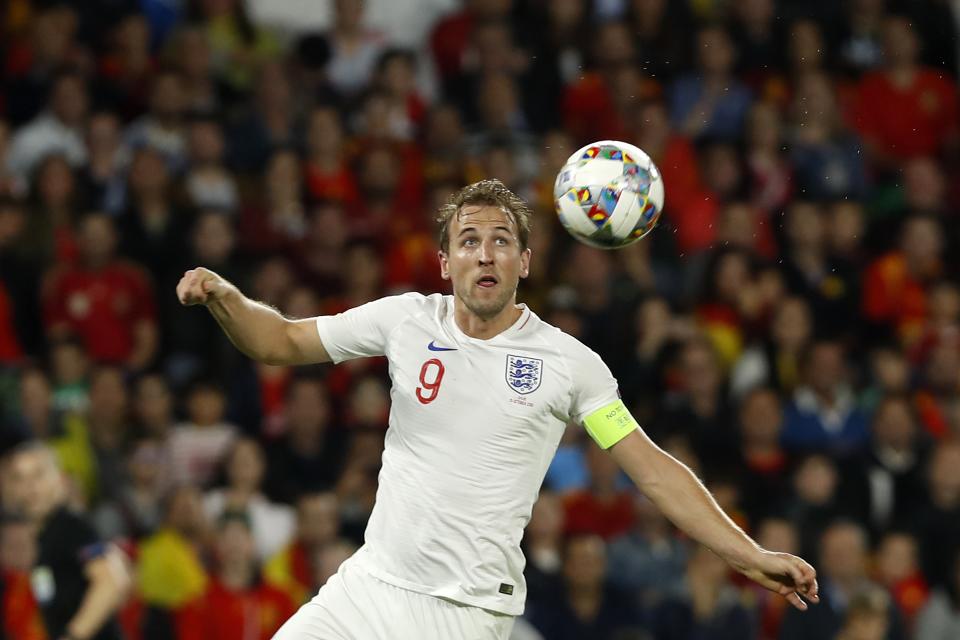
(485, 328)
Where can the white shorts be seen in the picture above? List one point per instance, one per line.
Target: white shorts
(354, 605)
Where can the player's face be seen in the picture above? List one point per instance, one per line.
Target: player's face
(485, 261)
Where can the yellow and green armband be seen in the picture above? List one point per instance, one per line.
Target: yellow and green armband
(610, 424)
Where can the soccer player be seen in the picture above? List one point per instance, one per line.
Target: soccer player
(79, 582)
(482, 390)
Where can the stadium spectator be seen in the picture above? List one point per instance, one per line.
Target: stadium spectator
(584, 607)
(105, 301)
(271, 524)
(707, 606)
(649, 560)
(78, 581)
(940, 618)
(906, 110)
(713, 103)
(19, 611)
(237, 602)
(844, 550)
(293, 568)
(170, 570)
(198, 445)
(56, 131)
(888, 477)
(604, 507)
(938, 524)
(898, 570)
(134, 511)
(823, 414)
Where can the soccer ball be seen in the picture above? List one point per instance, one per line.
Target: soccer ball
(609, 194)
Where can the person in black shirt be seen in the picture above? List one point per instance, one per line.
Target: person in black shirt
(78, 581)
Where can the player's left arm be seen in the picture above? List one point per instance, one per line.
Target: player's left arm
(683, 499)
(110, 583)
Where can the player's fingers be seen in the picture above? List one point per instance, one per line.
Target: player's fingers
(804, 578)
(795, 599)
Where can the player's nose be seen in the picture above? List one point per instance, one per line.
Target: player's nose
(486, 252)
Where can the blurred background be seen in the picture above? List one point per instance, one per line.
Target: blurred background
(791, 330)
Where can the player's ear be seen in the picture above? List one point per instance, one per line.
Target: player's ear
(525, 263)
(444, 265)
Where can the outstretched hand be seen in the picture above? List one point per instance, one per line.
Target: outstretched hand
(788, 575)
(201, 286)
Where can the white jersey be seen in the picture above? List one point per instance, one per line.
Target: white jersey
(473, 426)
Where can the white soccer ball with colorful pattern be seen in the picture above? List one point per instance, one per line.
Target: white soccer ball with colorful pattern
(609, 194)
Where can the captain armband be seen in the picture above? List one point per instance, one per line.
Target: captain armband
(610, 424)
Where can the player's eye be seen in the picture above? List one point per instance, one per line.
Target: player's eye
(470, 242)
(503, 242)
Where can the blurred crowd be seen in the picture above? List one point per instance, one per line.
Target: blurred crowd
(791, 330)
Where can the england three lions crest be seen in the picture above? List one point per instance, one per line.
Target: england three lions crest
(523, 374)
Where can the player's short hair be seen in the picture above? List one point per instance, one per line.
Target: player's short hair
(486, 192)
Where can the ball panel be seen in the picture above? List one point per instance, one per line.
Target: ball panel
(598, 172)
(573, 217)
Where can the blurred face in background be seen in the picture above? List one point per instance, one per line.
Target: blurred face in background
(33, 485)
(153, 404)
(168, 100)
(843, 553)
(97, 240)
(779, 535)
(185, 512)
(318, 519)
(213, 238)
(235, 546)
(894, 426)
(761, 418)
(896, 558)
(715, 52)
(246, 466)
(307, 410)
(922, 244)
(56, 183)
(900, 45)
(943, 476)
(18, 547)
(846, 228)
(791, 328)
(700, 369)
(584, 564)
(816, 480)
(69, 101)
(806, 46)
(826, 367)
(206, 406)
(35, 400)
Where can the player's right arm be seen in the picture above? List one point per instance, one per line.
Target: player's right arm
(256, 329)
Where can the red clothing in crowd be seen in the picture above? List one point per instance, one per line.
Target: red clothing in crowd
(906, 121)
(449, 41)
(10, 350)
(585, 513)
(224, 614)
(18, 610)
(339, 185)
(892, 295)
(101, 307)
(693, 212)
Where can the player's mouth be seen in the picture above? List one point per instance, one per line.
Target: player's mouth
(487, 281)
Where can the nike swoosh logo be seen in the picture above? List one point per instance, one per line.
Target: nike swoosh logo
(434, 347)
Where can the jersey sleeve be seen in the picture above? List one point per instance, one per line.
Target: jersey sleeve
(362, 331)
(596, 400)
